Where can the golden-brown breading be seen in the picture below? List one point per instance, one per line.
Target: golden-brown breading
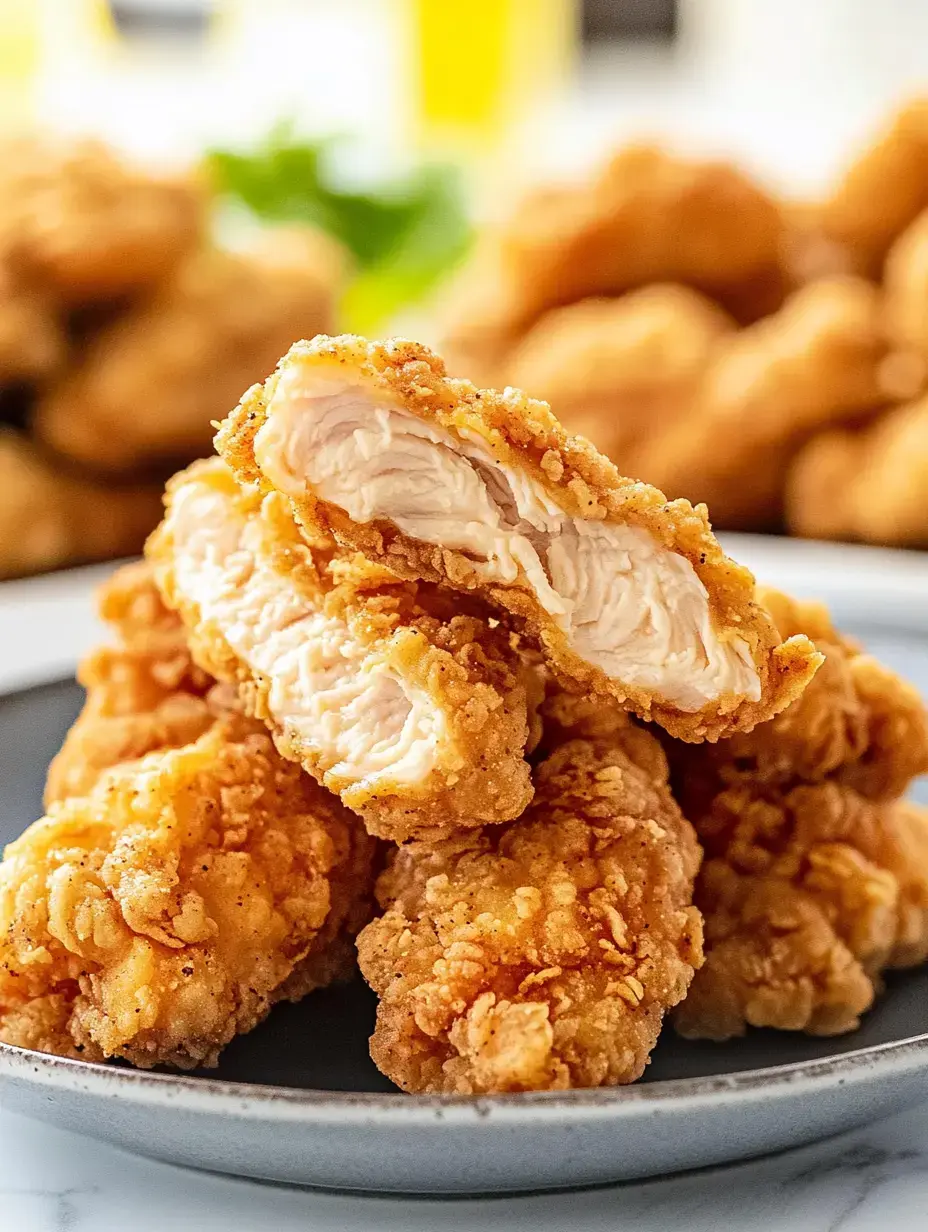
(647, 216)
(32, 343)
(905, 292)
(617, 370)
(541, 954)
(627, 594)
(78, 220)
(406, 704)
(883, 190)
(808, 893)
(857, 721)
(51, 517)
(149, 384)
(816, 876)
(870, 484)
(143, 694)
(818, 361)
(164, 913)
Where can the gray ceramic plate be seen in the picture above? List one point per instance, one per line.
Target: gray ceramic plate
(300, 1101)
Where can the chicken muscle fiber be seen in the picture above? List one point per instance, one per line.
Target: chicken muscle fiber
(627, 594)
(413, 714)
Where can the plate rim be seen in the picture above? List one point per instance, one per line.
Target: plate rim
(263, 1101)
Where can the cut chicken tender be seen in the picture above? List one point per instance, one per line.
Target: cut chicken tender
(808, 893)
(164, 913)
(150, 383)
(870, 484)
(78, 220)
(485, 492)
(818, 361)
(618, 370)
(50, 517)
(143, 694)
(541, 954)
(883, 190)
(412, 711)
(816, 876)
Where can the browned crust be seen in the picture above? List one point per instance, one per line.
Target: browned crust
(464, 665)
(524, 433)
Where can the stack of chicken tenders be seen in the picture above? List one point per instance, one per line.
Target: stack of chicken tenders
(413, 679)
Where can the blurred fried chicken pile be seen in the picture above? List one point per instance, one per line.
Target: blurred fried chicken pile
(409, 672)
(767, 357)
(123, 332)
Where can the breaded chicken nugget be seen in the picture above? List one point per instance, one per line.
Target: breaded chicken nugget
(164, 913)
(50, 517)
(32, 343)
(617, 370)
(392, 695)
(870, 484)
(816, 877)
(150, 383)
(143, 694)
(905, 292)
(627, 595)
(78, 220)
(883, 189)
(541, 954)
(768, 387)
(857, 722)
(808, 893)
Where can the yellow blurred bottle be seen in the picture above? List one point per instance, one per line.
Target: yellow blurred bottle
(19, 62)
(479, 66)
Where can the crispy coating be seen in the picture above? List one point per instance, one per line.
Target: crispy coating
(808, 893)
(445, 653)
(870, 484)
(883, 190)
(524, 436)
(143, 694)
(816, 876)
(617, 370)
(857, 722)
(78, 220)
(541, 954)
(164, 913)
(50, 517)
(818, 361)
(647, 216)
(151, 382)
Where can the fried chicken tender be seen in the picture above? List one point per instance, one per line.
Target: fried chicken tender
(883, 190)
(647, 216)
(50, 517)
(397, 698)
(905, 289)
(870, 484)
(143, 695)
(618, 370)
(541, 954)
(807, 893)
(818, 361)
(150, 383)
(164, 913)
(32, 344)
(626, 594)
(816, 876)
(79, 221)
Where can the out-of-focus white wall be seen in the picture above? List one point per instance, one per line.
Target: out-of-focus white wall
(789, 86)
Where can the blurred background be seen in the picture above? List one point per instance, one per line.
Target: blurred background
(697, 227)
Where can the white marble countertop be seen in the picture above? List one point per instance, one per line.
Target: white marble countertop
(866, 1181)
